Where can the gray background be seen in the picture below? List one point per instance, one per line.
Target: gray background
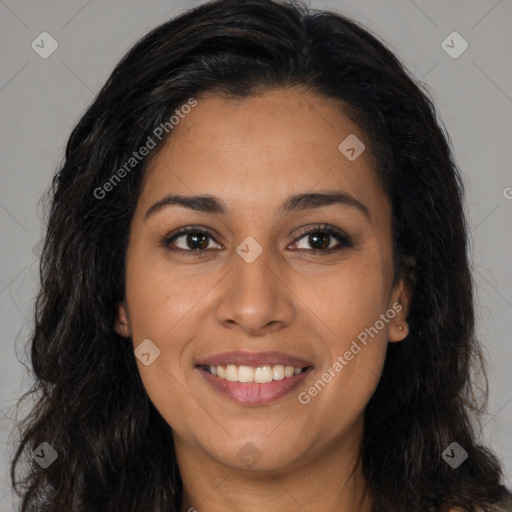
(42, 99)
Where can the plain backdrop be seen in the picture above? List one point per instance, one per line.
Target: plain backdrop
(41, 99)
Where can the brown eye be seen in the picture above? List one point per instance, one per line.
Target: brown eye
(321, 238)
(319, 241)
(191, 240)
(195, 240)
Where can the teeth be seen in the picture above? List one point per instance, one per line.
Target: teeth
(231, 373)
(245, 373)
(259, 375)
(263, 374)
(278, 372)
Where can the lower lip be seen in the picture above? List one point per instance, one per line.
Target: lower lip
(253, 393)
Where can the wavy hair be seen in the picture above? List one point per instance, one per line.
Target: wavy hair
(115, 451)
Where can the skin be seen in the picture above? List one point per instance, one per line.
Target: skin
(253, 154)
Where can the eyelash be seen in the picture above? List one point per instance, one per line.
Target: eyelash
(338, 234)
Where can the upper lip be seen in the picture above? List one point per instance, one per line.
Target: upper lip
(255, 359)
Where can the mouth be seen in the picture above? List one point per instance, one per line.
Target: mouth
(254, 378)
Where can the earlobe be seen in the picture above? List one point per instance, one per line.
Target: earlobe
(398, 327)
(398, 331)
(122, 325)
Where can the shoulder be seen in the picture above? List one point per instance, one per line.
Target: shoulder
(505, 505)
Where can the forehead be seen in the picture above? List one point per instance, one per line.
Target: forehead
(260, 149)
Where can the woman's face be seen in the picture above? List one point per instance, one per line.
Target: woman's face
(262, 294)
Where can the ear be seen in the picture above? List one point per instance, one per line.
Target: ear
(400, 301)
(122, 324)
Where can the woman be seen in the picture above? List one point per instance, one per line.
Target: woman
(255, 285)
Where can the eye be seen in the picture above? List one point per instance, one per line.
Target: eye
(320, 238)
(195, 240)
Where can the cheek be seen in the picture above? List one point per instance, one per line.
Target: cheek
(350, 297)
(357, 317)
(356, 355)
(160, 297)
(164, 310)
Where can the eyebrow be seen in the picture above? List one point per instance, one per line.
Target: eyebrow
(215, 205)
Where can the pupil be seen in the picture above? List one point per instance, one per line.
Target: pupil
(313, 239)
(192, 240)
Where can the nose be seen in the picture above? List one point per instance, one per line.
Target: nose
(255, 297)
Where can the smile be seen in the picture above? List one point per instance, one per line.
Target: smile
(253, 386)
(248, 374)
